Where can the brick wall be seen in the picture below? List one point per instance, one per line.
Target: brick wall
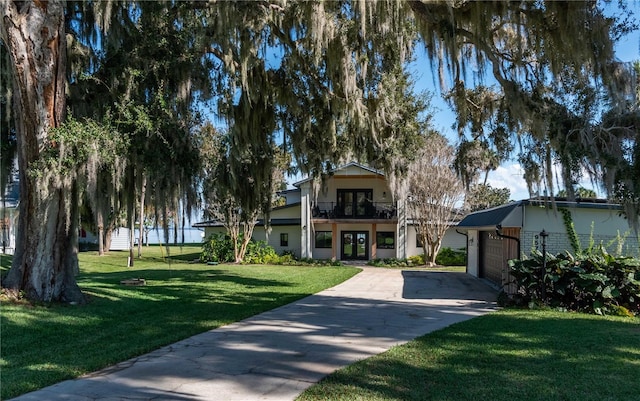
(559, 242)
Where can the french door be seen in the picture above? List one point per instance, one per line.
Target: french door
(355, 203)
(355, 245)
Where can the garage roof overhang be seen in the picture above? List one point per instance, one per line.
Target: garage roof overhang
(509, 215)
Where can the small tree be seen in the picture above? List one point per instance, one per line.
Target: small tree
(580, 192)
(232, 191)
(435, 191)
(484, 196)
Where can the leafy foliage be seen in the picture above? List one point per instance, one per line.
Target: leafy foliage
(452, 257)
(393, 262)
(259, 252)
(574, 240)
(596, 282)
(484, 196)
(77, 144)
(580, 192)
(217, 248)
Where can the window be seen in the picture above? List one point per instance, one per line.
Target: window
(323, 239)
(419, 241)
(284, 239)
(355, 203)
(386, 239)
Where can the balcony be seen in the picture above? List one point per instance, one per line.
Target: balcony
(363, 210)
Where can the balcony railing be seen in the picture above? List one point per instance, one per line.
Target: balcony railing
(363, 210)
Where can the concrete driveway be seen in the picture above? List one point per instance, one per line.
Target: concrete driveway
(278, 354)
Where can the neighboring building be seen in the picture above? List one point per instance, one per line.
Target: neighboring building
(119, 239)
(9, 216)
(520, 223)
(353, 217)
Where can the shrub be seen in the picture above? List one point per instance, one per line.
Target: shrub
(258, 252)
(417, 260)
(389, 262)
(218, 247)
(452, 257)
(595, 282)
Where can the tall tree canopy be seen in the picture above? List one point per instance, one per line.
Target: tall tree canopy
(318, 72)
(555, 68)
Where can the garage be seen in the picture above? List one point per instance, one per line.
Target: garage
(493, 238)
(491, 257)
(506, 232)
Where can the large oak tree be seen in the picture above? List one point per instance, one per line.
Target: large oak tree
(45, 261)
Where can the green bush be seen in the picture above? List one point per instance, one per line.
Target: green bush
(259, 253)
(218, 247)
(596, 282)
(389, 262)
(417, 260)
(452, 257)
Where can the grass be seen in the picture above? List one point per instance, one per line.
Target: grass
(42, 345)
(505, 356)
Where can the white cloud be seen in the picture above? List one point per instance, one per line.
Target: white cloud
(510, 176)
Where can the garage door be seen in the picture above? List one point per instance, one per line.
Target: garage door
(492, 257)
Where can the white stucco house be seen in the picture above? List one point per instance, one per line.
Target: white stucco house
(352, 217)
(511, 231)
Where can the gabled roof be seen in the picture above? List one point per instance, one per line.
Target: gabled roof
(589, 203)
(489, 217)
(497, 215)
(288, 191)
(274, 222)
(351, 164)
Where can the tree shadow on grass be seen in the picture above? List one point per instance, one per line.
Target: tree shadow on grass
(502, 357)
(124, 321)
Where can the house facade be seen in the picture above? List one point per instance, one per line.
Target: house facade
(511, 231)
(352, 215)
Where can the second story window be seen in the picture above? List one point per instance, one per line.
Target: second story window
(355, 203)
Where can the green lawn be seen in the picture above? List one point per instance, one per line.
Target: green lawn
(43, 345)
(508, 355)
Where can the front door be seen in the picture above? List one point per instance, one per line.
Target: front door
(355, 245)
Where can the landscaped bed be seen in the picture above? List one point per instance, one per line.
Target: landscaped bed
(45, 344)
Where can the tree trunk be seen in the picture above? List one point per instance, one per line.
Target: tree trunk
(176, 225)
(131, 214)
(97, 195)
(433, 253)
(46, 260)
(182, 226)
(108, 235)
(143, 191)
(100, 225)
